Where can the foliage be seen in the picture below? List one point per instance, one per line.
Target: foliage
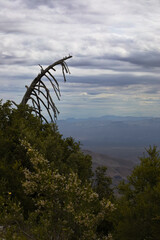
(64, 154)
(45, 183)
(11, 218)
(102, 183)
(64, 207)
(19, 124)
(138, 210)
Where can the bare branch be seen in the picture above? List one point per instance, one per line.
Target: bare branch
(37, 86)
(53, 86)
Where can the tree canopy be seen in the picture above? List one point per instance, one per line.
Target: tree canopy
(45, 182)
(138, 209)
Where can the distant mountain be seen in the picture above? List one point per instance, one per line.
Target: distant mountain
(124, 137)
(114, 141)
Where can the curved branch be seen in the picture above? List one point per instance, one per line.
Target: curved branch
(38, 83)
(53, 86)
(49, 96)
(40, 115)
(43, 105)
(50, 103)
(53, 78)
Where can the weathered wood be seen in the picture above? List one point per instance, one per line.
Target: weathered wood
(37, 89)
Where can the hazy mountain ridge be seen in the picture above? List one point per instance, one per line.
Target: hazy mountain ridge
(115, 141)
(113, 131)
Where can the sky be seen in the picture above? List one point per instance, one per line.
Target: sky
(115, 68)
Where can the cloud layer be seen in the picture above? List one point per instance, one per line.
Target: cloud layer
(115, 46)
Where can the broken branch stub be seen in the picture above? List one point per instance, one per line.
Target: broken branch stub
(40, 95)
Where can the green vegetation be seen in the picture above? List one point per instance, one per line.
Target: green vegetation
(48, 190)
(45, 182)
(138, 210)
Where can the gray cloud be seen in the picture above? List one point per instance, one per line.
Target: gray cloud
(115, 48)
(70, 6)
(116, 80)
(144, 59)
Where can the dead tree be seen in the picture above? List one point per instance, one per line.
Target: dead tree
(39, 93)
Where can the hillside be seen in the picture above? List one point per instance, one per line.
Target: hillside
(118, 168)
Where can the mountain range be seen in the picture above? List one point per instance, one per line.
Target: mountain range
(114, 141)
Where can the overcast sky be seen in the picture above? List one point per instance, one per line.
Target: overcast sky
(115, 44)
